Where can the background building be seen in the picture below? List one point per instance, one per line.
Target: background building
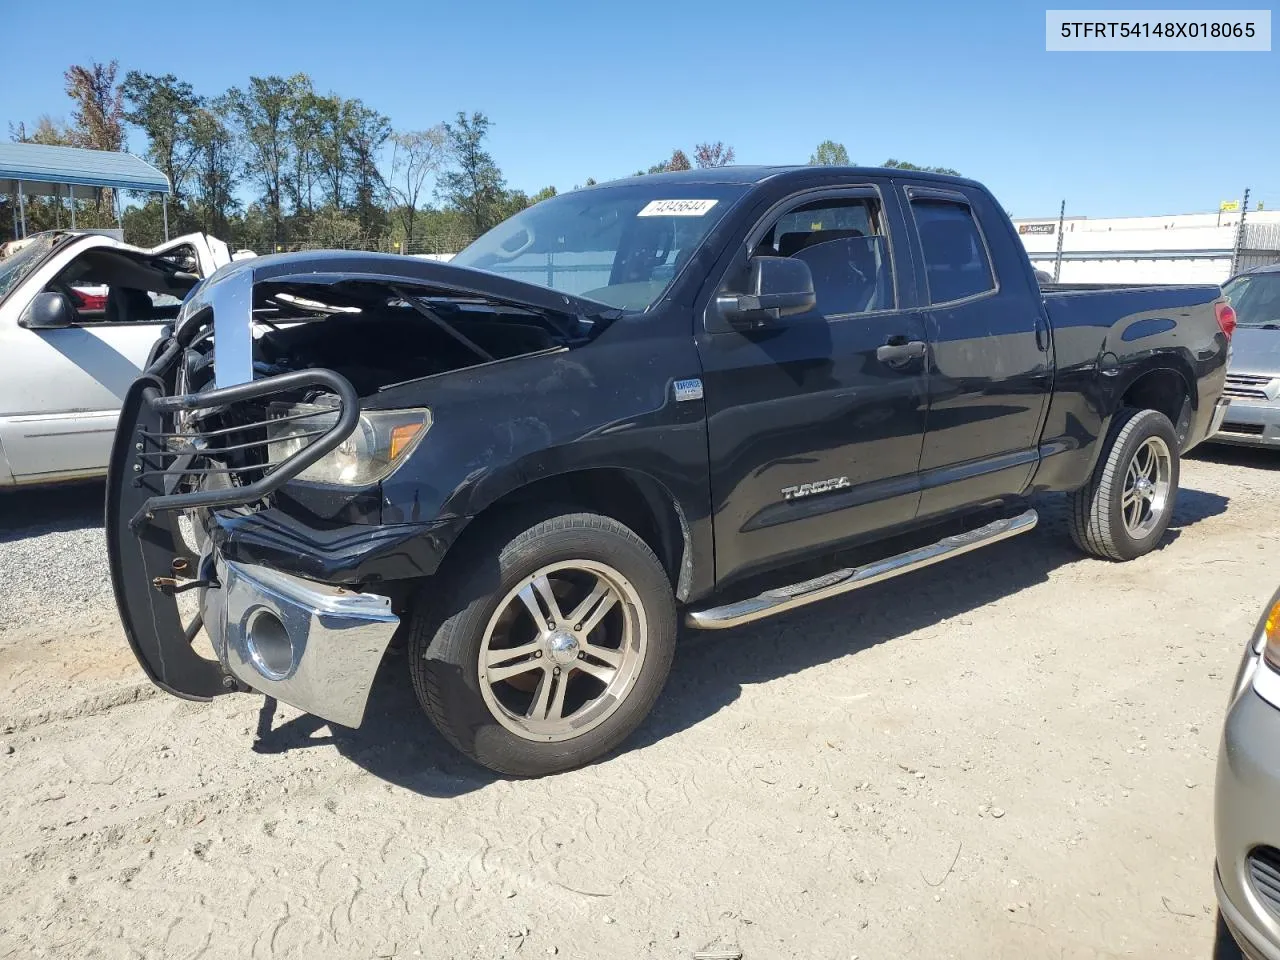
(1186, 248)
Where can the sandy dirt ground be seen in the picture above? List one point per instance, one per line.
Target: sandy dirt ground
(1010, 755)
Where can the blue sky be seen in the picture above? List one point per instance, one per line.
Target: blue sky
(579, 89)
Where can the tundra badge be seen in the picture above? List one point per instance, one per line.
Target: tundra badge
(818, 486)
(688, 389)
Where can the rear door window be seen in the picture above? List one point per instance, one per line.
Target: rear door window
(956, 262)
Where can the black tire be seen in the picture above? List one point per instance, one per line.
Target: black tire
(1096, 521)
(449, 623)
(1224, 944)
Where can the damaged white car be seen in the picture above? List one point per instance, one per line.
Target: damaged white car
(79, 313)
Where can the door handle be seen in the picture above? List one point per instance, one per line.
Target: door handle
(1041, 339)
(899, 350)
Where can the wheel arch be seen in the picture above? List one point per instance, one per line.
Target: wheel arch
(1167, 386)
(630, 496)
(1163, 382)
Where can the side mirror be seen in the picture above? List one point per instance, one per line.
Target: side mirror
(47, 311)
(777, 287)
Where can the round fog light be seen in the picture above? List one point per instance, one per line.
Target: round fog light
(268, 645)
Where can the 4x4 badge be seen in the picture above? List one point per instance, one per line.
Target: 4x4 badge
(688, 389)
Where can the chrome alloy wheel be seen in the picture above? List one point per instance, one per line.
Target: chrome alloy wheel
(1146, 488)
(562, 651)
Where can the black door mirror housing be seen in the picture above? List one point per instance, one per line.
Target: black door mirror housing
(47, 311)
(777, 287)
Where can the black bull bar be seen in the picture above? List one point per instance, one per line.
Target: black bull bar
(149, 461)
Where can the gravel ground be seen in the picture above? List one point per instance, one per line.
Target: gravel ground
(1009, 755)
(52, 555)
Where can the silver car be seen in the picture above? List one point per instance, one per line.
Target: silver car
(1253, 379)
(1247, 801)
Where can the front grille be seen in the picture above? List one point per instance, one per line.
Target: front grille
(1264, 870)
(1247, 385)
(1249, 429)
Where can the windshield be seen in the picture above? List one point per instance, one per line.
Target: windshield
(17, 265)
(1256, 300)
(621, 246)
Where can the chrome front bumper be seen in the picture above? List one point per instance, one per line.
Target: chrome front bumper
(312, 645)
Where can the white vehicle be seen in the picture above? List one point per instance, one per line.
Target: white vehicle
(67, 357)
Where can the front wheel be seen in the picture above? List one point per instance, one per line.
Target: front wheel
(560, 639)
(1125, 509)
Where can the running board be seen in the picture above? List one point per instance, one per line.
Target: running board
(841, 581)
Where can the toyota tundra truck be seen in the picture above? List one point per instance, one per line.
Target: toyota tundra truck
(685, 399)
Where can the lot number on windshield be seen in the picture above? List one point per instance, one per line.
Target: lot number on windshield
(676, 208)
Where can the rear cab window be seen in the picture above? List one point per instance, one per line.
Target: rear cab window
(957, 262)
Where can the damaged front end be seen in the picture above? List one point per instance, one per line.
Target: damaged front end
(224, 426)
(180, 451)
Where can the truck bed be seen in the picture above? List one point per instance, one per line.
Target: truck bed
(1059, 288)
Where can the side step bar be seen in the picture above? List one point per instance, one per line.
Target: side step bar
(841, 581)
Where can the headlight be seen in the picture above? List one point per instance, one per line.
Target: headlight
(378, 443)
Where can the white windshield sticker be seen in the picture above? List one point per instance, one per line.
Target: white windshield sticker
(676, 208)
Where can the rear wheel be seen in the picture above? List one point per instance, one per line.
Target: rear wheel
(557, 649)
(1125, 509)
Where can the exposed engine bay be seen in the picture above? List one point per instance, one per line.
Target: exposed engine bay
(397, 343)
(373, 335)
(376, 336)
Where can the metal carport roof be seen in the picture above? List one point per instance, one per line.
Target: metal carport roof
(71, 171)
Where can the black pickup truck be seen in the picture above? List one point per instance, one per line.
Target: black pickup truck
(699, 398)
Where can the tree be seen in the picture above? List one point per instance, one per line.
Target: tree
(904, 165)
(367, 133)
(829, 154)
(303, 130)
(513, 201)
(47, 132)
(217, 166)
(332, 125)
(475, 185)
(546, 193)
(415, 156)
(162, 107)
(97, 120)
(263, 113)
(712, 155)
(99, 114)
(679, 161)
